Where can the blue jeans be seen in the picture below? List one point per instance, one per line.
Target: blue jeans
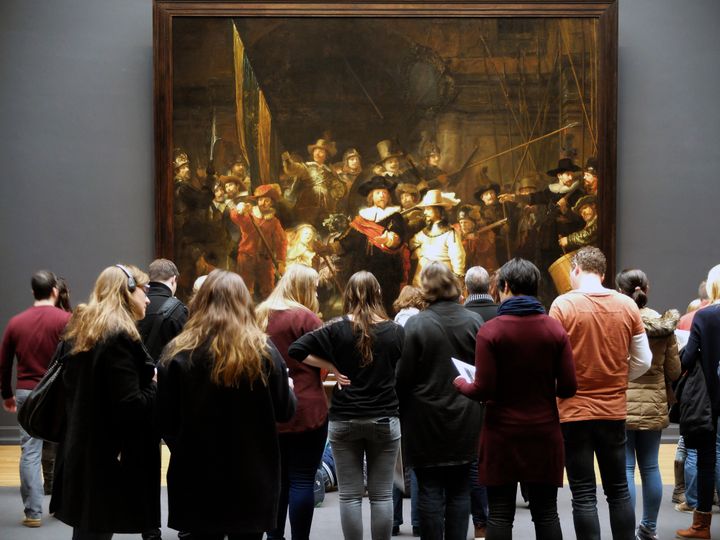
(604, 439)
(543, 509)
(300, 455)
(691, 477)
(444, 501)
(378, 440)
(478, 498)
(645, 445)
(31, 484)
(398, 504)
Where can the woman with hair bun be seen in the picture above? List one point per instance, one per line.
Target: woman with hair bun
(223, 386)
(107, 469)
(647, 400)
(362, 349)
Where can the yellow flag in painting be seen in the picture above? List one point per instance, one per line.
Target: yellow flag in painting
(239, 60)
(264, 140)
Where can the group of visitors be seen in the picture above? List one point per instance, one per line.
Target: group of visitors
(236, 392)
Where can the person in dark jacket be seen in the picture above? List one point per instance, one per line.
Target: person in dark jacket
(223, 386)
(362, 349)
(107, 469)
(703, 346)
(477, 284)
(523, 361)
(166, 315)
(289, 313)
(440, 426)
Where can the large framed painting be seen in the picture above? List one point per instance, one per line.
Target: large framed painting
(383, 136)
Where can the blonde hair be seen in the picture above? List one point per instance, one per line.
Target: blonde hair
(713, 283)
(296, 290)
(108, 311)
(223, 319)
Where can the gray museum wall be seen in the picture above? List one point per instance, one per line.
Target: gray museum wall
(76, 144)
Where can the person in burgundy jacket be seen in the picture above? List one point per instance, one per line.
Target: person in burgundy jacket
(289, 313)
(32, 337)
(523, 360)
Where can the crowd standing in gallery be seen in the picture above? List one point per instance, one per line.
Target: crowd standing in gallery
(236, 393)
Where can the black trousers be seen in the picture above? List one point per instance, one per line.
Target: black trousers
(543, 509)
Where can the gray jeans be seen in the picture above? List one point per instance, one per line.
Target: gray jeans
(31, 484)
(378, 440)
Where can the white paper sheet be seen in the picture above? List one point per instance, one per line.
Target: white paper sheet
(466, 371)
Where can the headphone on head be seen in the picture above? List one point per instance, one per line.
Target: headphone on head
(131, 280)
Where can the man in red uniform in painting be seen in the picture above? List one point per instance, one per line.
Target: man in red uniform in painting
(263, 243)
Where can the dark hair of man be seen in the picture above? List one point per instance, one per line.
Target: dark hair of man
(591, 260)
(162, 270)
(43, 282)
(363, 300)
(477, 280)
(520, 275)
(439, 283)
(633, 283)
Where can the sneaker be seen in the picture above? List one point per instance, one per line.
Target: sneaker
(33, 523)
(480, 531)
(396, 530)
(684, 507)
(645, 533)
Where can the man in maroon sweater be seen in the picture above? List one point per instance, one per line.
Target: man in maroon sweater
(31, 337)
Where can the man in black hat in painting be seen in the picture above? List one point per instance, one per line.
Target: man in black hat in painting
(375, 240)
(493, 210)
(590, 177)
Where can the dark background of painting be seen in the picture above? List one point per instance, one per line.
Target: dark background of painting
(76, 144)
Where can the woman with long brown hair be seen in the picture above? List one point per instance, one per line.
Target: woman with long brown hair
(288, 313)
(107, 469)
(362, 348)
(222, 387)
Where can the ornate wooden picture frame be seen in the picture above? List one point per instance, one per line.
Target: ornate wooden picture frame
(502, 93)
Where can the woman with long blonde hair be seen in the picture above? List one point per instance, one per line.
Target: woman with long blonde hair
(290, 312)
(107, 470)
(362, 348)
(222, 387)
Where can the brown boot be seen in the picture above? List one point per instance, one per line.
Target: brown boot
(700, 527)
(678, 495)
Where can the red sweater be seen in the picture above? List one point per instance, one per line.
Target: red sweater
(284, 327)
(31, 336)
(522, 364)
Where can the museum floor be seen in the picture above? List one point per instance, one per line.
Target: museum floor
(326, 524)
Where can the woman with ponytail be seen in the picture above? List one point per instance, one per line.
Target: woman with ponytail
(647, 400)
(222, 387)
(362, 349)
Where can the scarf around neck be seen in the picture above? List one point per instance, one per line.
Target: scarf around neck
(521, 306)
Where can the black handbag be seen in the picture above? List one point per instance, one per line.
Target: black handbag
(693, 410)
(42, 414)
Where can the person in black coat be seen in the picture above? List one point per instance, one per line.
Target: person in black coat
(166, 315)
(107, 469)
(222, 387)
(479, 300)
(440, 427)
(703, 346)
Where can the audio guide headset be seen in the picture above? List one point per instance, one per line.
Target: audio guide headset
(131, 280)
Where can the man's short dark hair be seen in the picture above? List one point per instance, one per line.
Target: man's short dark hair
(162, 270)
(42, 283)
(520, 275)
(591, 260)
(439, 283)
(477, 280)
